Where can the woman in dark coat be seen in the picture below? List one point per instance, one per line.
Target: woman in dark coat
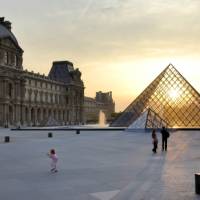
(165, 135)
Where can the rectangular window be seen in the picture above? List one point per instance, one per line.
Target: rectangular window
(6, 57)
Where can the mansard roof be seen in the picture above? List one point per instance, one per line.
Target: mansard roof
(64, 71)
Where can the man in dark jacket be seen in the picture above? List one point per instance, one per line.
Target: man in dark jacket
(165, 135)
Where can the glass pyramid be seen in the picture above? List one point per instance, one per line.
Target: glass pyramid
(171, 97)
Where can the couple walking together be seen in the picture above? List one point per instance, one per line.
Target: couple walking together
(165, 136)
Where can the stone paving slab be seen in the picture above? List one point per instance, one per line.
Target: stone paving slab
(98, 166)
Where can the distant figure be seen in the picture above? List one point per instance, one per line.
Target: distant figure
(54, 160)
(165, 136)
(154, 141)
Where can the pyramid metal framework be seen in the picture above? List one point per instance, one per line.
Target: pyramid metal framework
(171, 97)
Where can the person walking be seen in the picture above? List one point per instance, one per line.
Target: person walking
(54, 160)
(154, 141)
(165, 136)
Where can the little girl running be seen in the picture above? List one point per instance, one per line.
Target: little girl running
(54, 160)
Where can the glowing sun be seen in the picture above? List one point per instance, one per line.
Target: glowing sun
(174, 94)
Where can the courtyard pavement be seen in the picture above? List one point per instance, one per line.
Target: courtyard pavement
(112, 165)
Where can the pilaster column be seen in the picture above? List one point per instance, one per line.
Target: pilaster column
(17, 114)
(35, 118)
(5, 89)
(41, 116)
(23, 114)
(5, 115)
(29, 117)
(17, 90)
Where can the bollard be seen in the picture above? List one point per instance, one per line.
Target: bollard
(50, 135)
(77, 131)
(197, 183)
(7, 139)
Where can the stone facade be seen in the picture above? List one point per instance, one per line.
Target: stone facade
(31, 99)
(92, 106)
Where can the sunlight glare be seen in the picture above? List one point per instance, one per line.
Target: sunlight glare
(174, 94)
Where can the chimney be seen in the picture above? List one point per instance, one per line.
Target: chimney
(1, 20)
(6, 24)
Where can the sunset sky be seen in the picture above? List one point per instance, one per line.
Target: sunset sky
(118, 45)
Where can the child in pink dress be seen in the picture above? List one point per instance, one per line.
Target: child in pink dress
(54, 160)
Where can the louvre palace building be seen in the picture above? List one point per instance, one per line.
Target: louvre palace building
(31, 99)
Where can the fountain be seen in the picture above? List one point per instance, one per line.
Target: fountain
(102, 118)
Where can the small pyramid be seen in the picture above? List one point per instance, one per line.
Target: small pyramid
(171, 97)
(52, 122)
(140, 122)
(148, 119)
